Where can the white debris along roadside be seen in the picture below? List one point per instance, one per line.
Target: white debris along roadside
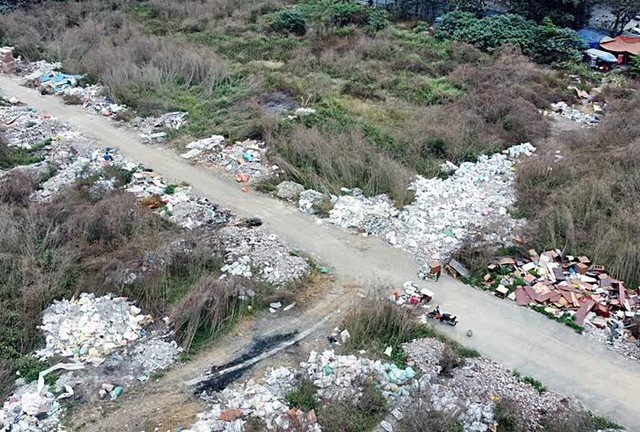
(472, 204)
(70, 156)
(104, 339)
(470, 394)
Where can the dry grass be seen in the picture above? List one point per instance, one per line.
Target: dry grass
(325, 161)
(590, 204)
(212, 305)
(421, 417)
(16, 187)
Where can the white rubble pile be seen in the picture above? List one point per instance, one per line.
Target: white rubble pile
(470, 205)
(247, 248)
(309, 199)
(340, 376)
(264, 401)
(476, 386)
(27, 410)
(372, 215)
(90, 328)
(242, 159)
(93, 98)
(563, 110)
(38, 68)
(178, 205)
(155, 129)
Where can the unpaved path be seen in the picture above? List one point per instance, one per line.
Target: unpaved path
(605, 381)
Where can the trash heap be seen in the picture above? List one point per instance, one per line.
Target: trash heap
(340, 376)
(28, 410)
(246, 158)
(337, 376)
(176, 203)
(110, 347)
(89, 328)
(472, 204)
(155, 129)
(26, 128)
(412, 294)
(474, 388)
(561, 109)
(232, 407)
(571, 286)
(93, 98)
(251, 248)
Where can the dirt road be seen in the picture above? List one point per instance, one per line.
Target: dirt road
(517, 337)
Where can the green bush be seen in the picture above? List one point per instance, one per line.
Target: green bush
(545, 43)
(304, 397)
(288, 21)
(361, 415)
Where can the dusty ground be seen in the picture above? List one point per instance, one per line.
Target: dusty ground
(517, 337)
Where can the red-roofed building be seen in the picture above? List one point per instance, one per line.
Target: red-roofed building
(622, 47)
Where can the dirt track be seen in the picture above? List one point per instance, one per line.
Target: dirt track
(517, 337)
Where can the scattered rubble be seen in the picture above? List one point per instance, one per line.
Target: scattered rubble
(472, 204)
(231, 407)
(250, 248)
(155, 129)
(571, 288)
(474, 388)
(563, 110)
(309, 201)
(246, 158)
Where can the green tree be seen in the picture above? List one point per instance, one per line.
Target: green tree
(565, 13)
(424, 9)
(545, 43)
(475, 7)
(622, 12)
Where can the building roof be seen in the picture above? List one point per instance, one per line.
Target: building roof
(623, 44)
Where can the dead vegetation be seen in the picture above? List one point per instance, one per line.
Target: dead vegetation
(588, 201)
(421, 417)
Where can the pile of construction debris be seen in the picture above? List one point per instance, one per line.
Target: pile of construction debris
(469, 391)
(471, 205)
(246, 159)
(248, 249)
(561, 109)
(570, 286)
(156, 129)
(88, 329)
(476, 385)
(109, 341)
(232, 407)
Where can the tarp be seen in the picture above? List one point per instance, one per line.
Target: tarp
(60, 81)
(591, 36)
(623, 44)
(602, 55)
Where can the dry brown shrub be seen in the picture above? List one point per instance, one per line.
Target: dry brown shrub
(325, 162)
(212, 304)
(16, 187)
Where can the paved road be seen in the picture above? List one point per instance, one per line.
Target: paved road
(606, 382)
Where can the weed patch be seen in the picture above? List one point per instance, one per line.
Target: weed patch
(354, 416)
(304, 397)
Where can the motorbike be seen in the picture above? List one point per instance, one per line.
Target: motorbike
(447, 318)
